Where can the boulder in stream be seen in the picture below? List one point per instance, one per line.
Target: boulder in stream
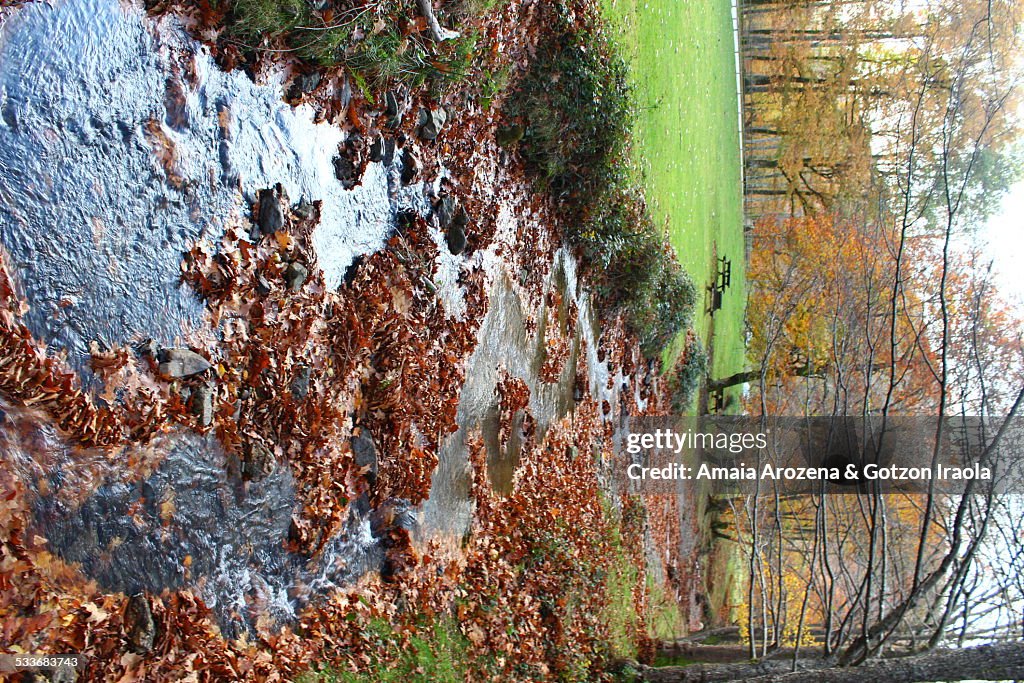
(175, 363)
(393, 513)
(139, 624)
(396, 103)
(201, 404)
(304, 84)
(345, 170)
(147, 348)
(382, 150)
(300, 383)
(410, 165)
(446, 209)
(294, 275)
(455, 237)
(258, 462)
(431, 121)
(377, 149)
(364, 452)
(304, 209)
(271, 217)
(452, 218)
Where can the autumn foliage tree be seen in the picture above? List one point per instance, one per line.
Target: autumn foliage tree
(876, 139)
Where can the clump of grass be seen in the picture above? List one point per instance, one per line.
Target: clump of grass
(377, 55)
(437, 652)
(623, 621)
(492, 84)
(579, 109)
(471, 9)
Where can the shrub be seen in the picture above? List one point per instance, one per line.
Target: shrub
(576, 100)
(662, 306)
(635, 271)
(577, 103)
(687, 374)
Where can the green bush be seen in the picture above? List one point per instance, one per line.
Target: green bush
(662, 306)
(577, 105)
(576, 100)
(686, 376)
(635, 270)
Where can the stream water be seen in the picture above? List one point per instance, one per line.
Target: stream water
(121, 144)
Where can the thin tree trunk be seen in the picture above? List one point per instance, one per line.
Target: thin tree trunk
(438, 32)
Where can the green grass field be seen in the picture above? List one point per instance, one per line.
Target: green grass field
(687, 145)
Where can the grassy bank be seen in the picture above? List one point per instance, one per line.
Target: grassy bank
(687, 144)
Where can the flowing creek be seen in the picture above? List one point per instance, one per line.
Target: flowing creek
(121, 144)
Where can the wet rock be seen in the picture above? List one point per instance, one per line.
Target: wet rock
(458, 227)
(294, 275)
(406, 519)
(303, 209)
(392, 513)
(364, 451)
(10, 116)
(294, 532)
(445, 211)
(405, 220)
(138, 623)
(258, 462)
(389, 152)
(345, 96)
(176, 363)
(304, 84)
(361, 506)
(62, 674)
(271, 218)
(410, 166)
(148, 348)
(353, 270)
(345, 171)
(262, 286)
(461, 218)
(310, 82)
(509, 136)
(456, 239)
(431, 121)
(201, 404)
(396, 103)
(377, 149)
(300, 383)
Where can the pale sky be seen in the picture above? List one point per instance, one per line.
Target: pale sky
(1004, 238)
